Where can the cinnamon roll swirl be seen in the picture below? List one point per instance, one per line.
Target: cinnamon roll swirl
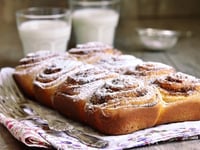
(122, 105)
(29, 66)
(181, 94)
(92, 51)
(51, 76)
(149, 71)
(119, 64)
(71, 96)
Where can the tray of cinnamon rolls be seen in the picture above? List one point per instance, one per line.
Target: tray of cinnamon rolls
(112, 92)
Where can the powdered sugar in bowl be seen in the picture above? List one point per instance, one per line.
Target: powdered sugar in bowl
(157, 39)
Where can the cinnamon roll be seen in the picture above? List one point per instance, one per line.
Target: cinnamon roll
(113, 93)
(92, 51)
(122, 105)
(72, 94)
(119, 64)
(51, 76)
(29, 66)
(181, 94)
(149, 71)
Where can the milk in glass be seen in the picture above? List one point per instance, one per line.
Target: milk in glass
(44, 35)
(95, 24)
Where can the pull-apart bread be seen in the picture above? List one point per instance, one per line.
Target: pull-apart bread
(113, 93)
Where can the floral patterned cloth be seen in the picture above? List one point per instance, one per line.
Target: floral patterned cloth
(24, 133)
(34, 136)
(35, 133)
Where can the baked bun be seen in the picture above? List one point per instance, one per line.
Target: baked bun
(77, 89)
(122, 105)
(51, 76)
(181, 95)
(118, 63)
(149, 71)
(28, 68)
(114, 93)
(92, 51)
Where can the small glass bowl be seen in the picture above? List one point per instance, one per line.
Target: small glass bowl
(157, 39)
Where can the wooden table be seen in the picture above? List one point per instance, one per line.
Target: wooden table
(185, 57)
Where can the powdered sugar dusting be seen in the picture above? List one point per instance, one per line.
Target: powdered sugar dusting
(152, 66)
(56, 71)
(119, 64)
(88, 75)
(39, 56)
(90, 47)
(149, 71)
(123, 91)
(178, 84)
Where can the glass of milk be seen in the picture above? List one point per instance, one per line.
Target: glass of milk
(44, 29)
(94, 20)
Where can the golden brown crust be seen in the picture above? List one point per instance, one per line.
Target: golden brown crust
(70, 100)
(51, 76)
(187, 109)
(92, 51)
(147, 94)
(181, 95)
(149, 71)
(28, 68)
(123, 105)
(77, 89)
(123, 120)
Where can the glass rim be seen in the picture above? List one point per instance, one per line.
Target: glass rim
(38, 12)
(95, 2)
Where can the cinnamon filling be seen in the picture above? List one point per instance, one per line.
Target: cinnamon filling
(145, 67)
(120, 91)
(51, 70)
(141, 92)
(177, 84)
(88, 76)
(151, 68)
(29, 59)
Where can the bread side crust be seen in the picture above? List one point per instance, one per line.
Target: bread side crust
(187, 109)
(123, 120)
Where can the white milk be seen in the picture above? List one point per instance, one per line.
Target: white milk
(44, 35)
(95, 24)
